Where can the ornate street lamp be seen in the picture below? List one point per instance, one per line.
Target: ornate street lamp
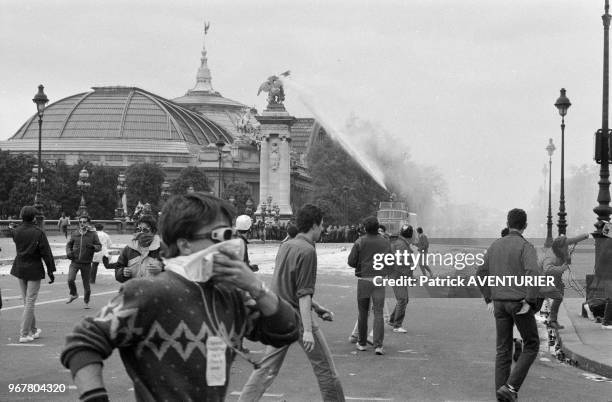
(220, 144)
(40, 99)
(165, 193)
(83, 184)
(269, 211)
(550, 149)
(249, 207)
(562, 104)
(602, 156)
(121, 189)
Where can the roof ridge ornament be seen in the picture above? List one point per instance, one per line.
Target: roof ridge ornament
(203, 77)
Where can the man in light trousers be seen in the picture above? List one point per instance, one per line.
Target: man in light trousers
(294, 280)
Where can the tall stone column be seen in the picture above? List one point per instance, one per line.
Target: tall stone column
(275, 164)
(264, 171)
(284, 178)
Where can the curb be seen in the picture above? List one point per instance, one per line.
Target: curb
(572, 346)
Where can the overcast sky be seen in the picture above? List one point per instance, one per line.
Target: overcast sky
(470, 85)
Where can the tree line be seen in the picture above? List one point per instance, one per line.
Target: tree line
(60, 192)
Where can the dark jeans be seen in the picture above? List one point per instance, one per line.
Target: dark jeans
(94, 272)
(72, 272)
(557, 298)
(423, 264)
(366, 290)
(505, 319)
(401, 295)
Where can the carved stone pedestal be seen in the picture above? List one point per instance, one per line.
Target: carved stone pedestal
(274, 166)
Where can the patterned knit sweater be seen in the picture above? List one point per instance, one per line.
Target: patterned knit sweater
(160, 326)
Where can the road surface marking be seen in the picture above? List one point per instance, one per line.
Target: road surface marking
(25, 344)
(335, 286)
(356, 398)
(408, 358)
(236, 393)
(59, 300)
(19, 297)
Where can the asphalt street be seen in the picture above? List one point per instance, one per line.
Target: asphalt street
(447, 354)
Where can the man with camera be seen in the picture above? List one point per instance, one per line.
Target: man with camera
(80, 249)
(179, 331)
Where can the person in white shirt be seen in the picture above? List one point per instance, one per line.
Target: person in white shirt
(106, 242)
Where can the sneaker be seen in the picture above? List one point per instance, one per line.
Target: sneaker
(555, 325)
(606, 326)
(361, 348)
(353, 339)
(36, 334)
(390, 324)
(87, 306)
(399, 330)
(504, 394)
(518, 349)
(379, 351)
(25, 339)
(72, 298)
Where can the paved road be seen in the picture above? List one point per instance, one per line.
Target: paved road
(447, 354)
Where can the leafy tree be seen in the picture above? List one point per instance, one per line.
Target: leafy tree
(190, 176)
(241, 193)
(144, 182)
(15, 170)
(333, 169)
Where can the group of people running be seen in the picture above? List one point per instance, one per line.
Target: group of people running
(189, 298)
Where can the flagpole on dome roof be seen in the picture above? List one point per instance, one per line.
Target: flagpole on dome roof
(203, 77)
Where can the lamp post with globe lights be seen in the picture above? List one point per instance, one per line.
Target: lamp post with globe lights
(165, 193)
(83, 184)
(121, 188)
(602, 156)
(36, 181)
(562, 104)
(220, 147)
(249, 207)
(550, 149)
(269, 213)
(40, 99)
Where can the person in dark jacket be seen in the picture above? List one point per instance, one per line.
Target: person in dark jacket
(362, 259)
(141, 257)
(80, 250)
(423, 247)
(202, 323)
(401, 244)
(512, 257)
(32, 249)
